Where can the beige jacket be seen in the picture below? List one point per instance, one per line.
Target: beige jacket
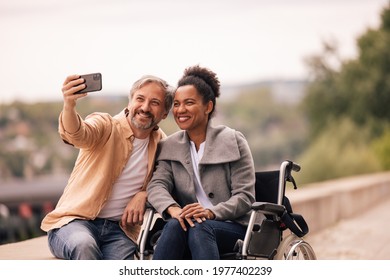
(105, 144)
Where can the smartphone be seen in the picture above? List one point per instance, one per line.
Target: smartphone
(93, 82)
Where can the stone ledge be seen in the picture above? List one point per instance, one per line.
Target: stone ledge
(32, 249)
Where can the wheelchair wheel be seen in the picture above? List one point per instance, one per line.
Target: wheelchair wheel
(294, 248)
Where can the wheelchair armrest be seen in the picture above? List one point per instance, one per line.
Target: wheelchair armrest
(269, 208)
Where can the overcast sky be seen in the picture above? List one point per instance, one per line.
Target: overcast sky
(43, 41)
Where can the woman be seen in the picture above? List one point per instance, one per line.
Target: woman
(204, 179)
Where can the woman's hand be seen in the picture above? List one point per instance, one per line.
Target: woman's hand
(175, 212)
(189, 214)
(197, 212)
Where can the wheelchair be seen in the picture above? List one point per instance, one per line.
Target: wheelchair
(279, 236)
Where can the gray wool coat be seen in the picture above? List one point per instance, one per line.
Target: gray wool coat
(226, 170)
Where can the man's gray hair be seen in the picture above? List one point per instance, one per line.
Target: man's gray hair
(147, 79)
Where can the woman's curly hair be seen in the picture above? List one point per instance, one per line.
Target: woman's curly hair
(205, 81)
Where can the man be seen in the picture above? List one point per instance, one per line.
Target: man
(101, 210)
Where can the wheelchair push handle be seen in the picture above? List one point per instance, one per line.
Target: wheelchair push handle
(295, 166)
(289, 165)
(285, 174)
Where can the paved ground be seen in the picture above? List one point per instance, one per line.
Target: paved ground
(366, 236)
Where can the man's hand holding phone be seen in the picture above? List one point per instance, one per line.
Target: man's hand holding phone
(73, 88)
(77, 86)
(71, 85)
(92, 82)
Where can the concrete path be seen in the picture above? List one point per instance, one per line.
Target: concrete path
(366, 236)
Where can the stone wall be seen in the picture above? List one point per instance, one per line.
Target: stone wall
(326, 203)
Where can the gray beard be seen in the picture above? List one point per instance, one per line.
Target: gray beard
(142, 126)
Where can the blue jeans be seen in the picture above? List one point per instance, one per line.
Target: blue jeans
(206, 241)
(91, 240)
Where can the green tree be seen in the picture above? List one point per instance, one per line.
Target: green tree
(340, 150)
(381, 147)
(349, 96)
(359, 89)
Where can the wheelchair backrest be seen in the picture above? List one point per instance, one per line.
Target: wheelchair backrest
(266, 187)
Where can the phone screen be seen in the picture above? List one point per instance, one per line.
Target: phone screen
(93, 82)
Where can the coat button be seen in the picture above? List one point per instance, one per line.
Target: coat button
(211, 195)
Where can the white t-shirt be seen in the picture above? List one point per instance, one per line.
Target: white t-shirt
(196, 156)
(129, 182)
